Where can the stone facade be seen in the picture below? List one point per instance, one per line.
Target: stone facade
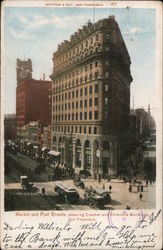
(91, 97)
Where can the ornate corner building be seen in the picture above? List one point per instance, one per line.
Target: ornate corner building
(91, 98)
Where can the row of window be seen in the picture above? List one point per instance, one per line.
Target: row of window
(70, 95)
(77, 104)
(77, 82)
(76, 129)
(76, 116)
(79, 71)
(78, 48)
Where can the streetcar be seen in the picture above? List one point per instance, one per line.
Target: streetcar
(68, 193)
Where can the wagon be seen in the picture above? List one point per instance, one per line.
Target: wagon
(24, 180)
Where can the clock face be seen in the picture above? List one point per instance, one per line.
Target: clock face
(23, 73)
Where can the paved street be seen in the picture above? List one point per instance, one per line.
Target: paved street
(120, 195)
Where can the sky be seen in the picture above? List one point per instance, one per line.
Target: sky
(34, 32)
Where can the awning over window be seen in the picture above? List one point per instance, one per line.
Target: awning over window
(28, 143)
(43, 149)
(53, 152)
(36, 147)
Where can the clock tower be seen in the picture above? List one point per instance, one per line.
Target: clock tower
(23, 70)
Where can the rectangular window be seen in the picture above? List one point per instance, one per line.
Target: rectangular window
(76, 129)
(76, 116)
(76, 105)
(90, 102)
(72, 116)
(91, 66)
(72, 94)
(81, 104)
(85, 91)
(72, 129)
(65, 106)
(85, 115)
(96, 115)
(69, 106)
(96, 101)
(89, 130)
(106, 100)
(69, 117)
(81, 92)
(72, 105)
(65, 96)
(95, 130)
(106, 114)
(65, 117)
(96, 89)
(85, 130)
(106, 74)
(85, 103)
(90, 90)
(85, 68)
(80, 130)
(96, 64)
(80, 115)
(106, 87)
(90, 115)
(81, 80)
(76, 93)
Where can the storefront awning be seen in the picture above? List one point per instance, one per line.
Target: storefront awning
(36, 147)
(53, 152)
(28, 143)
(43, 149)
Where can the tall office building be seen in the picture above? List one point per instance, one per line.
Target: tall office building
(33, 97)
(91, 98)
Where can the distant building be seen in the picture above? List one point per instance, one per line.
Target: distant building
(91, 98)
(33, 97)
(141, 121)
(10, 126)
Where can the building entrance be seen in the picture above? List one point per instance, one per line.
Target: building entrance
(105, 167)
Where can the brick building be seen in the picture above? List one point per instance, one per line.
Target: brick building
(33, 97)
(10, 126)
(91, 97)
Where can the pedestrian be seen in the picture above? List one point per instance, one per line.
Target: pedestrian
(130, 188)
(66, 199)
(140, 196)
(146, 183)
(141, 188)
(99, 178)
(110, 188)
(43, 191)
(103, 186)
(128, 208)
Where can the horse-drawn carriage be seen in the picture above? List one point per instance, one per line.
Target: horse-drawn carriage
(96, 197)
(25, 182)
(78, 182)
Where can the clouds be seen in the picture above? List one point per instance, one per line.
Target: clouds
(133, 30)
(25, 24)
(36, 32)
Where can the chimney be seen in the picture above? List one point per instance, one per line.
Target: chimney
(43, 76)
